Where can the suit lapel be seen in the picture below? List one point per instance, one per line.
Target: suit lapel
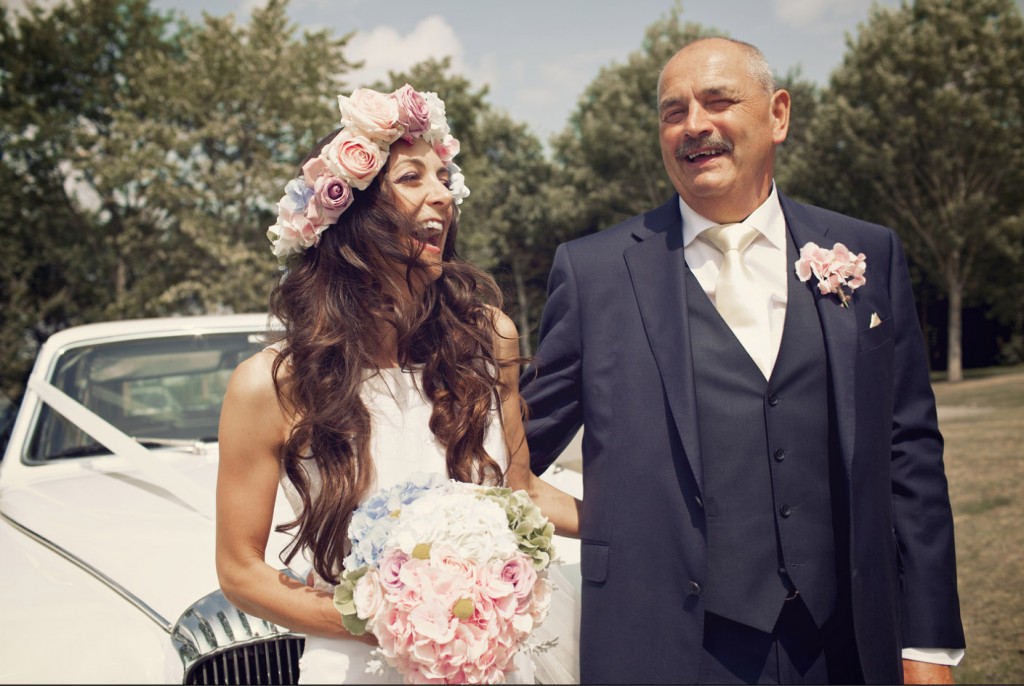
(839, 325)
(657, 271)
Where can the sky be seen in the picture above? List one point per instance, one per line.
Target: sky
(537, 56)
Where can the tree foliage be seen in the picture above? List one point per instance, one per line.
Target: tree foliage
(142, 156)
(608, 155)
(921, 130)
(145, 155)
(61, 71)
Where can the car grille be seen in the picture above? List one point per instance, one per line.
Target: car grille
(268, 662)
(220, 644)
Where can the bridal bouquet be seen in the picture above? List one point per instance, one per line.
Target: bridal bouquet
(450, 577)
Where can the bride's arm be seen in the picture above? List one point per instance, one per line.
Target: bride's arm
(558, 506)
(253, 427)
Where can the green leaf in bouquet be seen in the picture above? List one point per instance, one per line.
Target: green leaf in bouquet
(344, 600)
(354, 625)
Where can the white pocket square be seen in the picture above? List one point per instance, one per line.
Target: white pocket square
(875, 320)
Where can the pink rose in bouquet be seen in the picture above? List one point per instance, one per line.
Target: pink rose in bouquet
(449, 577)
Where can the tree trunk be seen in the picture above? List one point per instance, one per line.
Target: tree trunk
(121, 287)
(954, 353)
(522, 305)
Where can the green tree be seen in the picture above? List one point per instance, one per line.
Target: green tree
(511, 201)
(608, 155)
(921, 129)
(804, 98)
(145, 163)
(60, 71)
(228, 119)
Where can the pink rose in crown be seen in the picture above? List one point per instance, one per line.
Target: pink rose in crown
(447, 148)
(836, 269)
(313, 169)
(356, 159)
(333, 194)
(413, 112)
(373, 114)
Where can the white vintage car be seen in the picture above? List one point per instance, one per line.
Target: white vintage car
(107, 513)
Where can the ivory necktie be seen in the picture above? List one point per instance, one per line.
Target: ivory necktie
(737, 297)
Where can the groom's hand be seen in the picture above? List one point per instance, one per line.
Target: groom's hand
(915, 672)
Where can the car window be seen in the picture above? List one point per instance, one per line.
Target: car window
(158, 390)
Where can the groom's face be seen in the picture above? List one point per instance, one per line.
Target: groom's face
(718, 129)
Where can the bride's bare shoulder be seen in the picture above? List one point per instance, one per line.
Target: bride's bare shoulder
(506, 337)
(252, 382)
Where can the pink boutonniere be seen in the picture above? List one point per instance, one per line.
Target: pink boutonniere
(835, 269)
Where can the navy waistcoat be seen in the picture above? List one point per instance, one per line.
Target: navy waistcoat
(765, 450)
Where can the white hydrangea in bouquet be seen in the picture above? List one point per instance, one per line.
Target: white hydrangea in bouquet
(450, 577)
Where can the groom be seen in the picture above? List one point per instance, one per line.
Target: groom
(764, 494)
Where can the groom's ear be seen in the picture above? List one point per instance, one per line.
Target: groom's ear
(780, 115)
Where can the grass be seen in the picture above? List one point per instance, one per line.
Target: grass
(982, 421)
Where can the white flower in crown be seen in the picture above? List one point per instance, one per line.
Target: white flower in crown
(438, 120)
(457, 183)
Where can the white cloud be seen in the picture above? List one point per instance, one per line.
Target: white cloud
(800, 12)
(544, 96)
(384, 49)
(819, 13)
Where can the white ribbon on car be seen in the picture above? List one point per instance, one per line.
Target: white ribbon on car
(123, 445)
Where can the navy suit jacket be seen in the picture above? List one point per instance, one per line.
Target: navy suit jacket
(614, 357)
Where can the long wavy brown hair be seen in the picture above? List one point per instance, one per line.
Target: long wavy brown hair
(332, 300)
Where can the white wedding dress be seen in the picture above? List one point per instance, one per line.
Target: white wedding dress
(402, 445)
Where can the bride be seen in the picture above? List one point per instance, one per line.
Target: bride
(395, 360)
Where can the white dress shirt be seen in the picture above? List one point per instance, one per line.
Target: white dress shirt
(766, 259)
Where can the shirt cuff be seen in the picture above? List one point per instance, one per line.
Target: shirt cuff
(938, 656)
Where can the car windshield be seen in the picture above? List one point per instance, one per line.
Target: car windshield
(160, 391)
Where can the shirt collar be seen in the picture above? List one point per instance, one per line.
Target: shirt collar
(767, 218)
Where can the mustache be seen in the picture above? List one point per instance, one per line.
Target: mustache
(692, 145)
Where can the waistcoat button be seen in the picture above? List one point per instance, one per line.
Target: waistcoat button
(780, 455)
(785, 510)
(773, 400)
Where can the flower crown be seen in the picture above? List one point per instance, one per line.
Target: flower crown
(371, 122)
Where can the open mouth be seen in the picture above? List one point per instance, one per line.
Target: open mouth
(703, 150)
(704, 154)
(428, 234)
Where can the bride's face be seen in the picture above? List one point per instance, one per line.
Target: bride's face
(420, 180)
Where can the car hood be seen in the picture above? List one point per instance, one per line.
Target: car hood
(120, 526)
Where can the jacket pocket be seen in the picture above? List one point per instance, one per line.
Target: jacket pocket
(869, 339)
(594, 561)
